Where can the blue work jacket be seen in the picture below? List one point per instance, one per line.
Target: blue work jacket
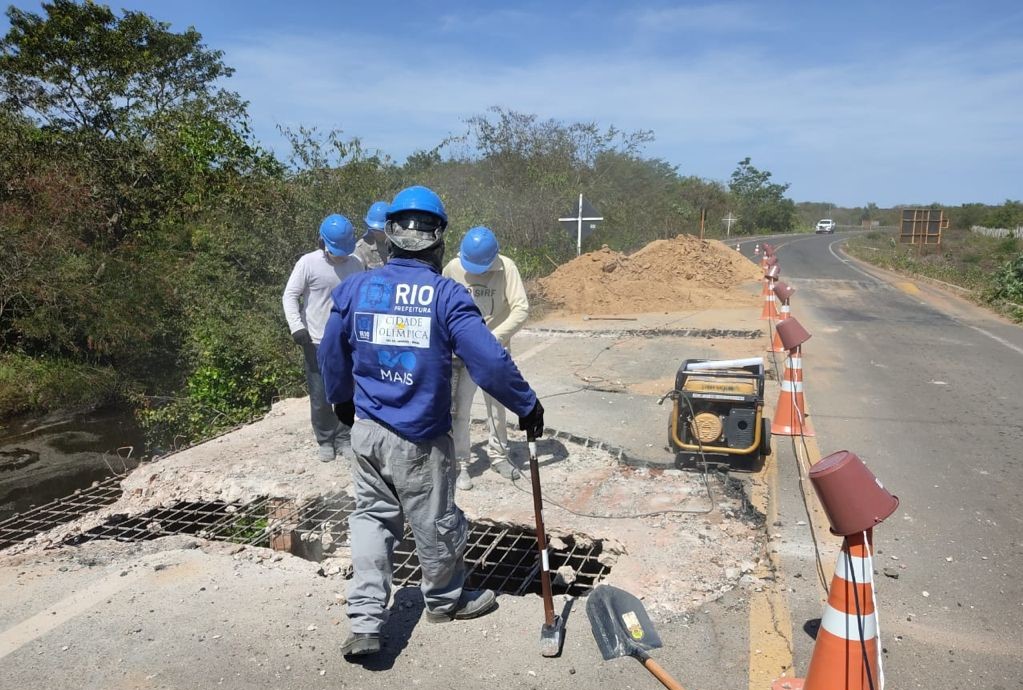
(388, 345)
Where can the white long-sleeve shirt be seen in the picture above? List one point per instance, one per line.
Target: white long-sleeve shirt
(307, 294)
(499, 294)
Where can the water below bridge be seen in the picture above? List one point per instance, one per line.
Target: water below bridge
(43, 458)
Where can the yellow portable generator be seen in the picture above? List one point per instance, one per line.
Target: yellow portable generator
(718, 409)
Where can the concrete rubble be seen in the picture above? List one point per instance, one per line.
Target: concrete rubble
(682, 548)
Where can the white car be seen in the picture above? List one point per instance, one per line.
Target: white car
(825, 226)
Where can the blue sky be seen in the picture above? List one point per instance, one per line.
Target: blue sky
(890, 102)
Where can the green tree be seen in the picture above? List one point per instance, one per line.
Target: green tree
(122, 157)
(1008, 215)
(870, 212)
(137, 104)
(762, 204)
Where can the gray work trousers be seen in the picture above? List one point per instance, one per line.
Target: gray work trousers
(328, 431)
(395, 479)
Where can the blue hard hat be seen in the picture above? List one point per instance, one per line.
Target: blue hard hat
(479, 250)
(417, 198)
(376, 217)
(416, 219)
(338, 235)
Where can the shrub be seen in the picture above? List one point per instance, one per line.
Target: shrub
(1007, 285)
(33, 383)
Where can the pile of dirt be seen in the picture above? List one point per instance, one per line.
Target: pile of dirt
(666, 275)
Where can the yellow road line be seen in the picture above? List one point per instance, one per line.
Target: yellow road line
(770, 623)
(770, 620)
(908, 288)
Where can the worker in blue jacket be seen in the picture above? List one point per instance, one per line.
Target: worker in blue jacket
(386, 363)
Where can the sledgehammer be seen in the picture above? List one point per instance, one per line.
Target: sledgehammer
(552, 633)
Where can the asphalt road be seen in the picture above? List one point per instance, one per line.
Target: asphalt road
(928, 390)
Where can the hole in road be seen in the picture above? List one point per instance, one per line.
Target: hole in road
(499, 557)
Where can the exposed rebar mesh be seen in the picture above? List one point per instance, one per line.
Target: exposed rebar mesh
(498, 557)
(39, 519)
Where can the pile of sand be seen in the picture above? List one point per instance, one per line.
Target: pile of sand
(666, 275)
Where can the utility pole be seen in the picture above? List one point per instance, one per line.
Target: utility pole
(703, 218)
(729, 219)
(578, 218)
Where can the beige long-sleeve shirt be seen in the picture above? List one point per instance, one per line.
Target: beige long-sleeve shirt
(499, 294)
(372, 253)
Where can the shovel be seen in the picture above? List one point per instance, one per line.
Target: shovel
(622, 627)
(553, 630)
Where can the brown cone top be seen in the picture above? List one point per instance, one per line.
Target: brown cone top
(792, 333)
(769, 249)
(771, 260)
(773, 271)
(853, 498)
(783, 291)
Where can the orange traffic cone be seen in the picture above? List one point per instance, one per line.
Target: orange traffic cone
(767, 262)
(770, 310)
(790, 412)
(846, 655)
(783, 293)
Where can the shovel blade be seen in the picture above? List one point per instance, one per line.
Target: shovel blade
(619, 622)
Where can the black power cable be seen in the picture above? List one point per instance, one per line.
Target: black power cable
(859, 613)
(779, 375)
(674, 511)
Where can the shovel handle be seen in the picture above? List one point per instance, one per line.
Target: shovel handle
(661, 675)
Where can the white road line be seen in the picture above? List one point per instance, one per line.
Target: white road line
(17, 636)
(536, 349)
(998, 339)
(831, 248)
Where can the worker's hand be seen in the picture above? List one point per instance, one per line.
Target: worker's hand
(302, 337)
(345, 412)
(532, 423)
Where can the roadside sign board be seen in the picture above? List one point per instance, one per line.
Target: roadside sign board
(590, 216)
(582, 224)
(922, 226)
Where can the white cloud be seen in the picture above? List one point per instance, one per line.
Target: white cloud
(723, 16)
(924, 125)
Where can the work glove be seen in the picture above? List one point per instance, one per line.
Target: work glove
(532, 423)
(345, 412)
(302, 337)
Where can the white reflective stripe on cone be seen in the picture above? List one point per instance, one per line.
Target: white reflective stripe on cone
(795, 362)
(859, 572)
(785, 308)
(847, 625)
(792, 386)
